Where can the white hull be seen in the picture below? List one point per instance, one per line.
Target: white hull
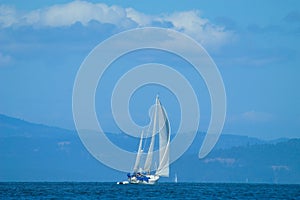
(123, 183)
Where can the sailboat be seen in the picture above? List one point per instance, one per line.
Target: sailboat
(160, 125)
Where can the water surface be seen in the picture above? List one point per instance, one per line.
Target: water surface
(79, 190)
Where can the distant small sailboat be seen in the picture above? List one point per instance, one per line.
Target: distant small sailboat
(160, 125)
(176, 179)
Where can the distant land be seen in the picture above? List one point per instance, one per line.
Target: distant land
(35, 152)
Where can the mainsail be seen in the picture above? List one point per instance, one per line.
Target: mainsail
(148, 161)
(164, 142)
(162, 127)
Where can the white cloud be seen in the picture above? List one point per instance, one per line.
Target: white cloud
(7, 16)
(77, 11)
(138, 17)
(199, 28)
(189, 22)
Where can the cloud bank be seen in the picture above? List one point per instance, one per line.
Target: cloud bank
(64, 15)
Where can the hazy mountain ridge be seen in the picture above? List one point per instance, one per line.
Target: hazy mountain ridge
(34, 152)
(260, 163)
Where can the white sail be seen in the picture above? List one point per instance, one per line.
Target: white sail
(164, 142)
(160, 125)
(138, 156)
(148, 162)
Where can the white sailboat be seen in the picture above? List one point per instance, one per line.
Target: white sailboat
(176, 179)
(160, 125)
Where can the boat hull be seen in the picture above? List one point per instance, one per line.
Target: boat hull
(123, 182)
(151, 180)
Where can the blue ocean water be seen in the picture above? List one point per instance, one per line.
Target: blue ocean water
(79, 190)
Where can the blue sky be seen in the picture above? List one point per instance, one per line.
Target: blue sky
(255, 45)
